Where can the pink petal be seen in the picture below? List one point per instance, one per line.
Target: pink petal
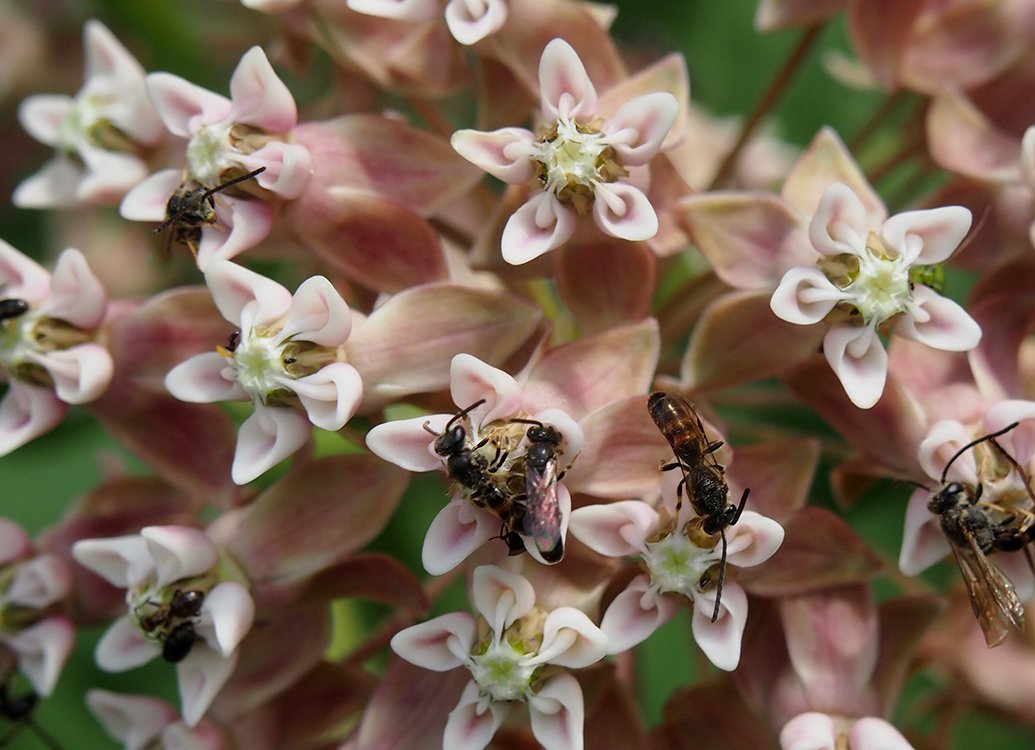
(250, 222)
(405, 442)
(615, 529)
(503, 153)
(805, 296)
(753, 540)
(259, 97)
(123, 647)
(634, 615)
(440, 644)
(622, 210)
(14, 542)
(413, 11)
(201, 676)
(244, 297)
(557, 713)
(21, 276)
(42, 650)
(923, 542)
(26, 412)
(202, 379)
(232, 612)
(570, 639)
(938, 322)
(808, 731)
(457, 531)
(147, 201)
(109, 176)
(962, 139)
(318, 314)
(330, 395)
(1020, 441)
(872, 733)
(840, 224)
(857, 357)
(123, 561)
(827, 161)
(53, 186)
(470, 21)
(542, 224)
(39, 582)
(471, 726)
(289, 168)
(564, 85)
(133, 720)
(205, 736)
(500, 596)
(265, 439)
(638, 129)
(927, 236)
(182, 106)
(1027, 158)
(179, 552)
(42, 115)
(81, 374)
(471, 380)
(720, 640)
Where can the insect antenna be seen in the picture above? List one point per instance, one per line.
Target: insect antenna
(206, 196)
(722, 575)
(991, 436)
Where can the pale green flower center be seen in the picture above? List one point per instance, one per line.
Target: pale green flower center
(677, 565)
(881, 289)
(82, 120)
(571, 159)
(259, 362)
(502, 671)
(206, 153)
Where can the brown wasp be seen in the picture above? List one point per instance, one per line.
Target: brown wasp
(177, 639)
(975, 529)
(190, 208)
(704, 478)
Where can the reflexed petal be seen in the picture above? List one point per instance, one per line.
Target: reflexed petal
(923, 542)
(232, 612)
(26, 412)
(244, 297)
(259, 97)
(123, 561)
(635, 614)
(53, 186)
(39, 582)
(440, 644)
(1017, 442)
(109, 175)
(564, 85)
(639, 127)
(42, 651)
(570, 639)
(81, 373)
(201, 676)
(76, 295)
(123, 647)
(250, 222)
(805, 296)
(21, 276)
(542, 224)
(472, 725)
(622, 210)
(202, 380)
(857, 357)
(470, 380)
(928, 236)
(615, 529)
(289, 167)
(500, 596)
(41, 115)
(133, 720)
(14, 542)
(179, 552)
(840, 222)
(318, 314)
(470, 21)
(938, 322)
(872, 733)
(405, 442)
(413, 11)
(943, 440)
(265, 439)
(330, 395)
(753, 540)
(556, 714)
(184, 106)
(720, 640)
(808, 731)
(457, 531)
(148, 200)
(503, 153)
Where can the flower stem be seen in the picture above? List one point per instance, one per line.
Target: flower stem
(877, 119)
(767, 102)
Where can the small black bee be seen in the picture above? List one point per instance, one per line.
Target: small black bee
(12, 308)
(542, 516)
(175, 621)
(190, 208)
(179, 642)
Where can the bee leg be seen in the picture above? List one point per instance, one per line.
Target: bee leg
(722, 575)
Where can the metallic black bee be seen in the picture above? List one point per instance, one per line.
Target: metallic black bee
(974, 530)
(704, 478)
(190, 208)
(542, 514)
(179, 642)
(12, 308)
(178, 638)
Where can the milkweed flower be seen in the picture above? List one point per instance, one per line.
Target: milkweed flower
(100, 135)
(227, 138)
(813, 730)
(469, 21)
(580, 161)
(48, 354)
(140, 721)
(516, 653)
(285, 357)
(492, 400)
(869, 279)
(677, 561)
(176, 581)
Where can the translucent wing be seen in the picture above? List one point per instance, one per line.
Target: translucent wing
(992, 597)
(542, 519)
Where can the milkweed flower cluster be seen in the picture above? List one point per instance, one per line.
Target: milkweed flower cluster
(477, 244)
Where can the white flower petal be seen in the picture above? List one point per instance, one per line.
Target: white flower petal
(42, 115)
(857, 357)
(230, 610)
(473, 723)
(615, 529)
(471, 380)
(805, 296)
(753, 540)
(149, 199)
(81, 373)
(634, 615)
(259, 98)
(720, 640)
(246, 298)
(564, 85)
(457, 531)
(413, 11)
(622, 210)
(123, 561)
(76, 294)
(26, 412)
(405, 442)
(42, 651)
(542, 224)
(840, 224)
(938, 322)
(808, 731)
(39, 582)
(923, 543)
(318, 314)
(183, 106)
(123, 647)
(133, 720)
(440, 644)
(202, 379)
(179, 552)
(570, 639)
(505, 153)
(942, 442)
(557, 714)
(53, 186)
(250, 221)
(927, 236)
(266, 438)
(637, 129)
(330, 395)
(14, 542)
(500, 596)
(470, 21)
(873, 733)
(201, 675)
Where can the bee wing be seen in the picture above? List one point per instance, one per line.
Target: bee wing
(992, 597)
(542, 519)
